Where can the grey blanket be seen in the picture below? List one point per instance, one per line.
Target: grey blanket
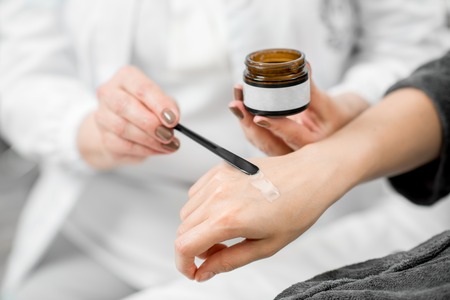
(421, 273)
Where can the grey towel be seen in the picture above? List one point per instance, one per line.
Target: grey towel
(421, 273)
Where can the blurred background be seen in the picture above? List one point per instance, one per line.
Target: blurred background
(16, 177)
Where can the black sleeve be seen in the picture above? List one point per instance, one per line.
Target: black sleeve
(431, 182)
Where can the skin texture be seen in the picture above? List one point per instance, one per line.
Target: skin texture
(381, 141)
(133, 121)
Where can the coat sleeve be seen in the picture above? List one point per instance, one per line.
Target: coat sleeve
(43, 101)
(394, 38)
(429, 183)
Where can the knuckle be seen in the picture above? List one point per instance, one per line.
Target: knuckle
(227, 223)
(146, 125)
(220, 193)
(143, 89)
(183, 214)
(191, 192)
(181, 247)
(120, 105)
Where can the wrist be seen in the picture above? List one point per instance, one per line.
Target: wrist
(333, 171)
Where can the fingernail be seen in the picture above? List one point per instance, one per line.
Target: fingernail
(168, 116)
(206, 276)
(164, 133)
(263, 123)
(237, 112)
(173, 145)
(238, 94)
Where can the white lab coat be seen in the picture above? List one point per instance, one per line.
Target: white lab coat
(48, 81)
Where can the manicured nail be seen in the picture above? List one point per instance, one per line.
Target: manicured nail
(237, 112)
(263, 123)
(206, 276)
(238, 94)
(173, 145)
(164, 133)
(168, 116)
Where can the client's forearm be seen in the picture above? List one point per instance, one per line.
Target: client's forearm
(398, 134)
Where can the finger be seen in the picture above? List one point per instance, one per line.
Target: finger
(308, 66)
(238, 109)
(130, 109)
(110, 122)
(224, 170)
(199, 185)
(184, 263)
(292, 133)
(122, 147)
(215, 186)
(128, 159)
(195, 242)
(193, 211)
(258, 135)
(238, 92)
(230, 258)
(211, 251)
(145, 90)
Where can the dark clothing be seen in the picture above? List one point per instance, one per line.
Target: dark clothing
(431, 182)
(423, 272)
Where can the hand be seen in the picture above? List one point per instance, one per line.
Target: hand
(224, 205)
(133, 121)
(279, 136)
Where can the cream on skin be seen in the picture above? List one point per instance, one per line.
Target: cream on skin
(265, 186)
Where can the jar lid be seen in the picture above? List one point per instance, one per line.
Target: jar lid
(275, 65)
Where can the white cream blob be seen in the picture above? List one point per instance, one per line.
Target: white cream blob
(265, 186)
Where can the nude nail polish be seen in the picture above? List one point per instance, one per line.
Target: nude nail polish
(238, 95)
(172, 146)
(237, 112)
(164, 133)
(263, 123)
(168, 116)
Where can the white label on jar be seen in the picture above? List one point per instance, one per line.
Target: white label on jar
(276, 99)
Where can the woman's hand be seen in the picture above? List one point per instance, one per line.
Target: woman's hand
(224, 204)
(279, 136)
(133, 121)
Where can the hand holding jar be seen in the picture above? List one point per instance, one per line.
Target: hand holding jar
(306, 114)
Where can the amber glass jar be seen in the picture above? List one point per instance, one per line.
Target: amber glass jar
(276, 82)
